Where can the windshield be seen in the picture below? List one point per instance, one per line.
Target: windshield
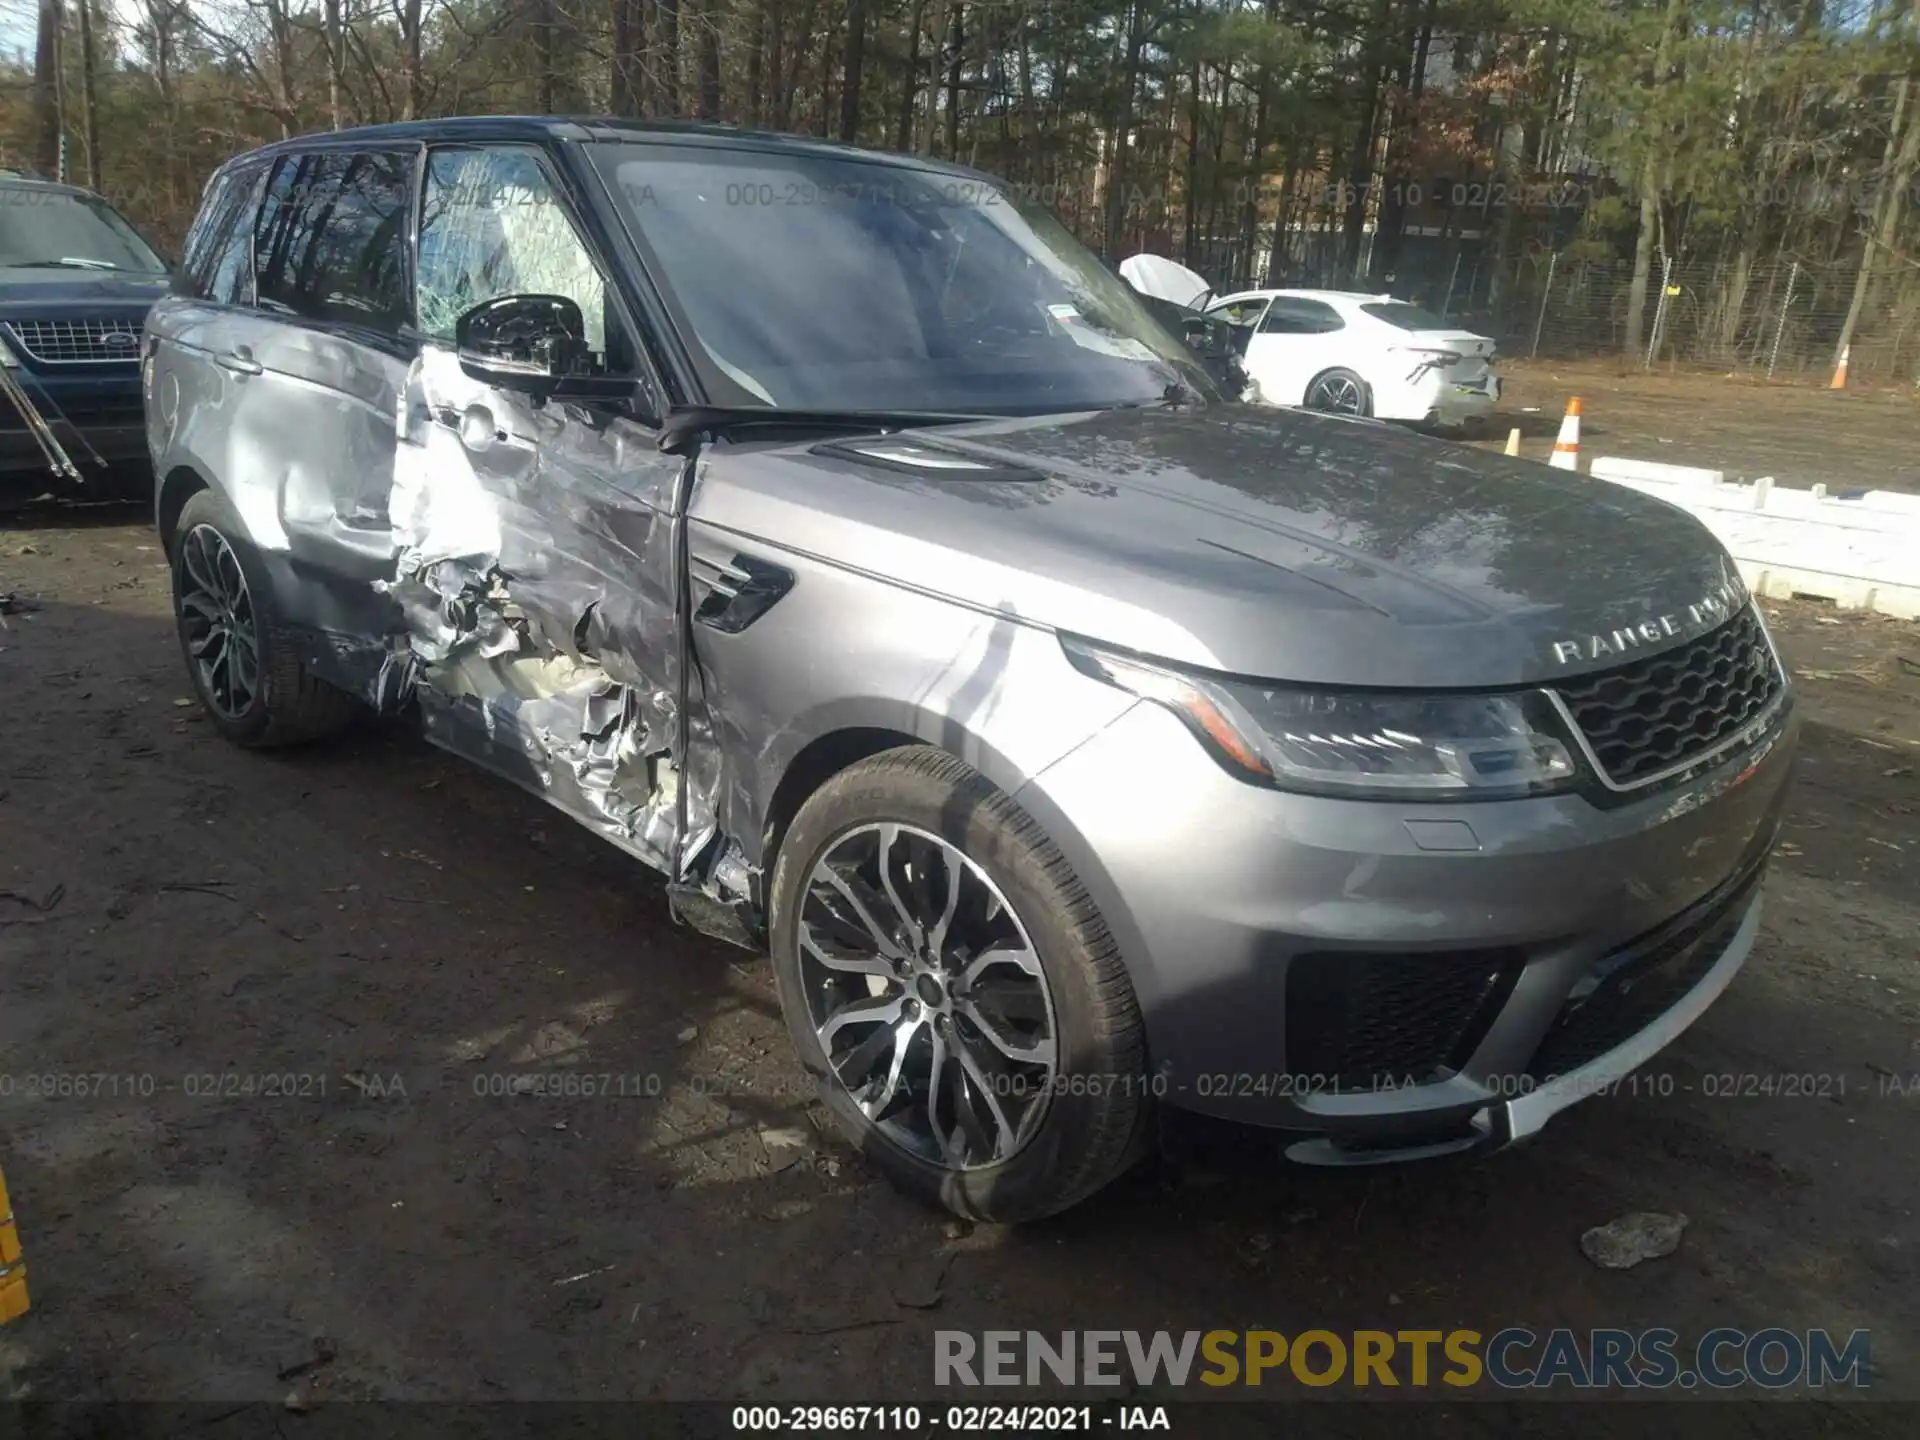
(826, 282)
(1405, 316)
(78, 232)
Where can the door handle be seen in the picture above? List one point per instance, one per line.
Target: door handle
(239, 360)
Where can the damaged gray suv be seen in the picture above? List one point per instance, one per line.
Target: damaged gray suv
(836, 536)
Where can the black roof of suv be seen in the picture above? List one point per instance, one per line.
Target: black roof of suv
(534, 128)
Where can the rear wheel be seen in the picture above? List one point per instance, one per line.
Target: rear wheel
(1339, 392)
(244, 665)
(953, 991)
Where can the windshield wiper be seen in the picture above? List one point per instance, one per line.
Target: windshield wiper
(682, 425)
(1177, 396)
(66, 262)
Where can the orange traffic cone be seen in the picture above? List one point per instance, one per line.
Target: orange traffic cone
(1840, 370)
(1513, 442)
(1566, 449)
(13, 1270)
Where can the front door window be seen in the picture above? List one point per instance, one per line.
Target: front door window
(491, 225)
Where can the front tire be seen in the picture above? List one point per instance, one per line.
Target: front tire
(952, 990)
(1340, 392)
(242, 661)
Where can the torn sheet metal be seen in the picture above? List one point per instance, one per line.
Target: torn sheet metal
(533, 580)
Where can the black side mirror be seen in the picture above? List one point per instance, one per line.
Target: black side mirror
(537, 345)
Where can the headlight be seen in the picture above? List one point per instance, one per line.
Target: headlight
(7, 357)
(1382, 744)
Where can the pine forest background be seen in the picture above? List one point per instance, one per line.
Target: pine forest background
(1733, 183)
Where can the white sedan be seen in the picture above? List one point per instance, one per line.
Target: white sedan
(1360, 354)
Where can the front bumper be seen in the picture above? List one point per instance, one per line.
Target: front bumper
(92, 416)
(1394, 980)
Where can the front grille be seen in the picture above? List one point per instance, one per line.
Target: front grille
(1642, 981)
(1655, 715)
(1360, 1021)
(78, 342)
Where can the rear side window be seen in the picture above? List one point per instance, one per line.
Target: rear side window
(1404, 316)
(216, 261)
(331, 241)
(1290, 316)
(205, 236)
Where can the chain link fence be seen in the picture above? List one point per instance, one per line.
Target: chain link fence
(1780, 319)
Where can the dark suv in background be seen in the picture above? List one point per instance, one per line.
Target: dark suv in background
(76, 281)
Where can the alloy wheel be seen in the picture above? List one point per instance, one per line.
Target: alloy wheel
(1337, 393)
(217, 621)
(927, 996)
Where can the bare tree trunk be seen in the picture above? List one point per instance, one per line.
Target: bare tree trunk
(756, 65)
(49, 98)
(280, 28)
(850, 86)
(1391, 224)
(958, 53)
(1650, 191)
(412, 49)
(336, 62)
(89, 108)
(1902, 158)
(1734, 300)
(1117, 170)
(1282, 219)
(623, 66)
(798, 55)
(777, 66)
(1212, 227)
(828, 124)
(910, 82)
(542, 15)
(1189, 235)
(931, 110)
(161, 18)
(670, 57)
(711, 16)
(1024, 24)
(1643, 256)
(1360, 159)
(1256, 165)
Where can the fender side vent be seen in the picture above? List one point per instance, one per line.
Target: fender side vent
(739, 590)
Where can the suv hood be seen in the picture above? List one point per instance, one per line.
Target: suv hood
(52, 292)
(1278, 544)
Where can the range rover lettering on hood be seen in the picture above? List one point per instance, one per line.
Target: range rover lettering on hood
(1702, 615)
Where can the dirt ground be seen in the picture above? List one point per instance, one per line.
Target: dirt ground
(1858, 438)
(404, 941)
